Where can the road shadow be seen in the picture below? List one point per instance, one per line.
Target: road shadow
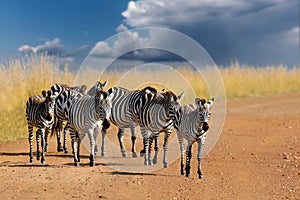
(48, 154)
(137, 174)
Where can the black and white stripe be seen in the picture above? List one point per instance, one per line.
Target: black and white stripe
(123, 109)
(85, 115)
(191, 123)
(60, 113)
(56, 90)
(40, 114)
(154, 117)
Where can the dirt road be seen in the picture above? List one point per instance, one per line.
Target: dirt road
(256, 157)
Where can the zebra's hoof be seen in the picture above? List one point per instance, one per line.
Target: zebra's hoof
(200, 175)
(182, 172)
(60, 149)
(154, 161)
(124, 154)
(92, 163)
(31, 160)
(142, 153)
(103, 154)
(166, 165)
(134, 155)
(66, 151)
(149, 162)
(188, 175)
(43, 162)
(76, 164)
(46, 150)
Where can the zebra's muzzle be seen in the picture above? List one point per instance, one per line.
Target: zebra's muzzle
(205, 126)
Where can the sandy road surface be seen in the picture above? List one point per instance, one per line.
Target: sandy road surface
(256, 157)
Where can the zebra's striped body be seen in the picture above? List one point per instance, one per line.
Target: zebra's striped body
(191, 123)
(154, 117)
(123, 102)
(61, 104)
(40, 114)
(85, 115)
(60, 113)
(56, 90)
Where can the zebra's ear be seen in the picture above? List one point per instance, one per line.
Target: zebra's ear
(48, 93)
(198, 102)
(103, 85)
(181, 96)
(110, 96)
(211, 101)
(83, 88)
(44, 93)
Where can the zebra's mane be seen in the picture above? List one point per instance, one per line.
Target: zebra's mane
(149, 89)
(37, 99)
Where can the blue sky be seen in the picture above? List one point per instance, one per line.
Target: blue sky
(257, 32)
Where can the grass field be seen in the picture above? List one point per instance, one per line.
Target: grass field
(20, 79)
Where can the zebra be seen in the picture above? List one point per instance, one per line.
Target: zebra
(60, 106)
(121, 116)
(85, 115)
(97, 87)
(56, 90)
(40, 114)
(59, 111)
(191, 123)
(153, 116)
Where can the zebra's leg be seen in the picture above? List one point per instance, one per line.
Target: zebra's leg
(165, 146)
(43, 145)
(150, 142)
(133, 138)
(78, 148)
(103, 153)
(66, 129)
(200, 147)
(121, 142)
(146, 145)
(181, 144)
(74, 137)
(38, 153)
(47, 131)
(96, 133)
(92, 147)
(58, 135)
(156, 149)
(143, 151)
(30, 140)
(188, 159)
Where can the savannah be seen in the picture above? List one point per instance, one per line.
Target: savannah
(256, 157)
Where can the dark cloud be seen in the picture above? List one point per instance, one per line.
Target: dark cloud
(254, 32)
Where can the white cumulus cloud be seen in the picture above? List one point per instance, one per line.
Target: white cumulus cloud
(52, 47)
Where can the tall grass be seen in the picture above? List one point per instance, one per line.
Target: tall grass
(21, 78)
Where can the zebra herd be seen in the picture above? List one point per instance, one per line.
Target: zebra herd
(73, 110)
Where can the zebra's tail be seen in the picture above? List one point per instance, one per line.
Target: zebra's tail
(54, 127)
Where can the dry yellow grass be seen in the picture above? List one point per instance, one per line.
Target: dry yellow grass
(20, 79)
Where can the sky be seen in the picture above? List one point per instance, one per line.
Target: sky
(256, 32)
